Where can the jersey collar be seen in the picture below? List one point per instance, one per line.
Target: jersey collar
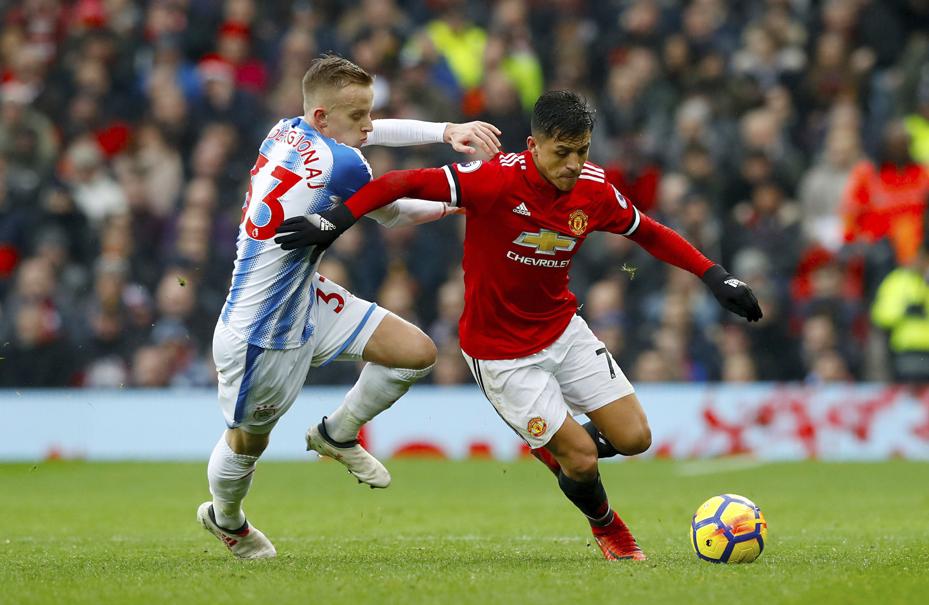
(536, 180)
(299, 122)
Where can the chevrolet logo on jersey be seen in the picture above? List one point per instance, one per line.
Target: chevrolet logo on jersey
(546, 242)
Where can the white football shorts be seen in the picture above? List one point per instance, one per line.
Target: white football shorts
(257, 386)
(534, 394)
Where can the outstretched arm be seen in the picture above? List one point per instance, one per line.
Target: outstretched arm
(667, 245)
(407, 211)
(423, 183)
(405, 133)
(468, 138)
(324, 228)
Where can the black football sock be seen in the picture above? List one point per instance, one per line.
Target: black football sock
(604, 448)
(589, 496)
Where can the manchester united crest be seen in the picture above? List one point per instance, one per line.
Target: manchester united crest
(537, 426)
(577, 221)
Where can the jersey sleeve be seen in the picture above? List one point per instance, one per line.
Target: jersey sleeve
(350, 171)
(404, 133)
(621, 215)
(474, 185)
(407, 211)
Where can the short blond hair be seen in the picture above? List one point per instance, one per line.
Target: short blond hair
(332, 71)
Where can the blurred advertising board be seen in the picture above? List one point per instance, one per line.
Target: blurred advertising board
(764, 421)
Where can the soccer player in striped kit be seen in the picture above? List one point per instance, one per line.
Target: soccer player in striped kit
(281, 317)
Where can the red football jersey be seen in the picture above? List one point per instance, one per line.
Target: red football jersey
(520, 237)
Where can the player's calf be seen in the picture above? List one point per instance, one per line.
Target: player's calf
(378, 388)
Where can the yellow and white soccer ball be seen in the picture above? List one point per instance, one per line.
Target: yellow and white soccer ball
(728, 529)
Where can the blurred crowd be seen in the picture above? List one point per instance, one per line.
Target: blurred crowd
(788, 139)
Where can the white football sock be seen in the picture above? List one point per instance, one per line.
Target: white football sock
(230, 476)
(377, 389)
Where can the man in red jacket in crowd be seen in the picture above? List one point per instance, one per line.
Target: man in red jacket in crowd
(534, 358)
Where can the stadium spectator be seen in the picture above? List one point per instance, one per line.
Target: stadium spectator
(509, 49)
(887, 198)
(460, 42)
(901, 307)
(37, 355)
(152, 163)
(450, 305)
(651, 366)
(151, 367)
(451, 369)
(822, 187)
(501, 106)
(96, 193)
(739, 367)
(27, 136)
(917, 124)
(770, 224)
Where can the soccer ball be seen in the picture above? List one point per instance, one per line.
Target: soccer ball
(728, 529)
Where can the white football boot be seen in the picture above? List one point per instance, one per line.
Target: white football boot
(365, 467)
(245, 543)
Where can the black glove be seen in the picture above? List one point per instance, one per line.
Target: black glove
(318, 230)
(732, 293)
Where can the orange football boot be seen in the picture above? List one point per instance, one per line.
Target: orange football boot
(616, 541)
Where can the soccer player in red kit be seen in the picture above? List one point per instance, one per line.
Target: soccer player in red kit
(534, 358)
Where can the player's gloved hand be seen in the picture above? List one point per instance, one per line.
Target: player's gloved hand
(318, 230)
(732, 293)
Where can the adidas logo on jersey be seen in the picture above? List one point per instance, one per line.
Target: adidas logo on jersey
(521, 209)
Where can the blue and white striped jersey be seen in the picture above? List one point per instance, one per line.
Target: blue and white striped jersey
(298, 172)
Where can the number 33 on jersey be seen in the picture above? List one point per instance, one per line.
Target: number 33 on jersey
(298, 172)
(291, 154)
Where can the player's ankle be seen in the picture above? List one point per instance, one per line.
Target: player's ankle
(336, 433)
(228, 518)
(603, 520)
(341, 426)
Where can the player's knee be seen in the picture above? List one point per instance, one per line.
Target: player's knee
(637, 441)
(580, 464)
(423, 353)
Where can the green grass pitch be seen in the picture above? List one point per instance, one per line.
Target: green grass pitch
(479, 532)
